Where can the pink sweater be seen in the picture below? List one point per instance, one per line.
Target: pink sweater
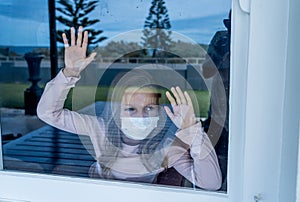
(199, 164)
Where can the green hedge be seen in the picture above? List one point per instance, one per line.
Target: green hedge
(12, 96)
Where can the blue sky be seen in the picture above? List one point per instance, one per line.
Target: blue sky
(25, 22)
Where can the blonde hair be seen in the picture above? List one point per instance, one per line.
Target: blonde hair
(149, 149)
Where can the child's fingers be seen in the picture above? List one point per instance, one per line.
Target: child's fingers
(90, 58)
(66, 43)
(169, 112)
(188, 98)
(72, 36)
(85, 40)
(181, 96)
(171, 99)
(79, 37)
(177, 98)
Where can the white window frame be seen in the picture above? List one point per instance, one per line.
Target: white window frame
(241, 185)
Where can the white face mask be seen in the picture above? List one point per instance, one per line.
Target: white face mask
(138, 128)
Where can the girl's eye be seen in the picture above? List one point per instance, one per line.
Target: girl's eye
(129, 109)
(148, 108)
(151, 108)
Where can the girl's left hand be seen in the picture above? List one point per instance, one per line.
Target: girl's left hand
(183, 114)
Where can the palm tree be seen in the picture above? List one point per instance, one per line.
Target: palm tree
(74, 13)
(156, 28)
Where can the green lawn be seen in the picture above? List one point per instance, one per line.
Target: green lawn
(12, 96)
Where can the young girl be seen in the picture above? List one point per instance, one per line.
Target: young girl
(132, 139)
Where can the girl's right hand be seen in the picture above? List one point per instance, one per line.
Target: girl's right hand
(75, 54)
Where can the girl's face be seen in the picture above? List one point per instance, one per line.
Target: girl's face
(139, 114)
(139, 103)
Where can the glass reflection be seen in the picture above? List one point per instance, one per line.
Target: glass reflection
(140, 122)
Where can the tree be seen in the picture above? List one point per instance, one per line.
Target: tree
(74, 13)
(119, 49)
(188, 49)
(156, 28)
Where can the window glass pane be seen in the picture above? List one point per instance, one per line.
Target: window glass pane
(144, 99)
